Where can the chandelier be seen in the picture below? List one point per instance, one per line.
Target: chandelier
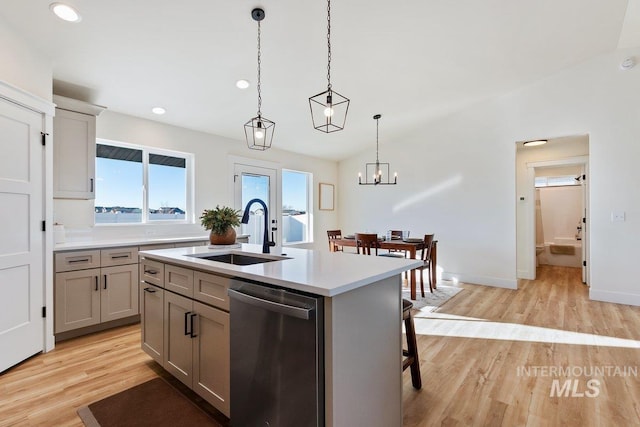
(378, 172)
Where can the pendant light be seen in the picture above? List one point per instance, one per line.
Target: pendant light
(259, 130)
(329, 108)
(378, 172)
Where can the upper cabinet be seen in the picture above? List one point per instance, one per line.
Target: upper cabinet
(74, 153)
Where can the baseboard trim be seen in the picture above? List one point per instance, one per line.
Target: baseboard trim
(615, 297)
(481, 280)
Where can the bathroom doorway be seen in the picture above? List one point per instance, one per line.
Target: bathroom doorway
(552, 205)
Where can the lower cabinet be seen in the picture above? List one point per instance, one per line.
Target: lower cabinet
(89, 297)
(195, 342)
(152, 309)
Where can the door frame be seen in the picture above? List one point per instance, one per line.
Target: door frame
(45, 107)
(531, 212)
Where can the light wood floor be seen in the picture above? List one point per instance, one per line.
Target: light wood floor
(470, 349)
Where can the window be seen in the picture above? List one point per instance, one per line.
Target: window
(556, 181)
(296, 217)
(136, 184)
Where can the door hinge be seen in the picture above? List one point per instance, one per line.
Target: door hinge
(234, 178)
(44, 311)
(584, 263)
(584, 176)
(44, 225)
(584, 220)
(44, 138)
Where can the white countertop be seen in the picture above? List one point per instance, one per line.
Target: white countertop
(318, 272)
(136, 241)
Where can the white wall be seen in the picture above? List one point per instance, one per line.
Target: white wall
(211, 176)
(457, 176)
(22, 65)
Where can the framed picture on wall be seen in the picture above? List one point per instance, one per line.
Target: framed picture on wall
(326, 197)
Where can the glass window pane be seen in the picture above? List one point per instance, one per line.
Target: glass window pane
(295, 207)
(167, 183)
(118, 185)
(255, 186)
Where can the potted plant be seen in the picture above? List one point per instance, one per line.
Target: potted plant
(221, 221)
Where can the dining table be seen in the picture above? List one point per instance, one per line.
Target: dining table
(411, 246)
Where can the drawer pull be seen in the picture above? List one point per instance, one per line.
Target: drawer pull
(120, 256)
(78, 260)
(154, 272)
(151, 291)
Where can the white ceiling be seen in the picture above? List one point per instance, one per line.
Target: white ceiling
(410, 60)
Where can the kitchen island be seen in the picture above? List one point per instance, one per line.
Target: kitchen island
(361, 298)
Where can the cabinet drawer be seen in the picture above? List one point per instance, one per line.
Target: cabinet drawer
(152, 272)
(179, 280)
(119, 256)
(77, 260)
(211, 289)
(192, 243)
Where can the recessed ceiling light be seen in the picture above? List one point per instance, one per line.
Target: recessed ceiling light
(534, 143)
(242, 84)
(628, 63)
(65, 12)
(158, 110)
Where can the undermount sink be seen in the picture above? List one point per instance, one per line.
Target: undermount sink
(239, 259)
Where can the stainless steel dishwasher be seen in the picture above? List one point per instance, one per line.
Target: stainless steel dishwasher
(277, 357)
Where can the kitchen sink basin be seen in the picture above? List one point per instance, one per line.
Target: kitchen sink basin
(239, 259)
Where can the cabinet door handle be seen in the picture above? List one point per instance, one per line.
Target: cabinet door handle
(186, 331)
(91, 183)
(78, 260)
(151, 291)
(96, 283)
(193, 316)
(105, 281)
(154, 272)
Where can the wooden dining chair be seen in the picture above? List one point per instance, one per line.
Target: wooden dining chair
(334, 235)
(426, 262)
(367, 242)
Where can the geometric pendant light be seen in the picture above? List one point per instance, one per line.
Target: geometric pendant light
(329, 108)
(378, 172)
(259, 130)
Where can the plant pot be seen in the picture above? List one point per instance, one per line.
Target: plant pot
(228, 238)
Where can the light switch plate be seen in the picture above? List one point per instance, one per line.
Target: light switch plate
(617, 216)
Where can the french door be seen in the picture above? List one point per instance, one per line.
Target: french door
(251, 182)
(21, 245)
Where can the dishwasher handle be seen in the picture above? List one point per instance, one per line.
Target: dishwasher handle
(287, 310)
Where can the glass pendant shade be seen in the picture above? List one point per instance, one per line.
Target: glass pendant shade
(329, 111)
(259, 133)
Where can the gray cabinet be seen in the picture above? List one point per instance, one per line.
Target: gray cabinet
(195, 331)
(74, 149)
(86, 295)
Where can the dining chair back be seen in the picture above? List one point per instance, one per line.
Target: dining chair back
(425, 256)
(367, 242)
(333, 236)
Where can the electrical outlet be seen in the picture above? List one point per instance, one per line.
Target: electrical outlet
(617, 216)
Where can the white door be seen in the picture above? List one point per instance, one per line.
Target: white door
(21, 241)
(251, 182)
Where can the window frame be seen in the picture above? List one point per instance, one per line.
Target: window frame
(189, 217)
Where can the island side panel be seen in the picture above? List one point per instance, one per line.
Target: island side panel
(363, 356)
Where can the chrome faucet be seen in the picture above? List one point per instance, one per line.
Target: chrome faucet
(245, 220)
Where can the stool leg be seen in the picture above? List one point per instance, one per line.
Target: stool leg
(412, 350)
(422, 282)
